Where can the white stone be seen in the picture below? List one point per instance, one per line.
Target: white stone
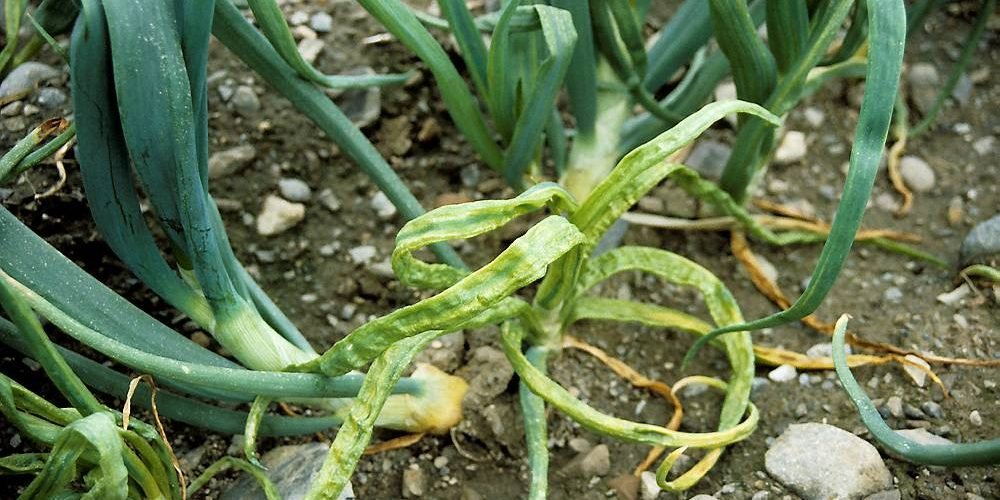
(294, 189)
(650, 490)
(383, 206)
(309, 49)
(814, 116)
(362, 254)
(278, 216)
(916, 173)
(792, 148)
(783, 373)
(919, 376)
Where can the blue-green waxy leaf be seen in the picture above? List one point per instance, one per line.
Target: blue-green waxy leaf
(887, 23)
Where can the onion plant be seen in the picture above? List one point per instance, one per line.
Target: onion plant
(138, 70)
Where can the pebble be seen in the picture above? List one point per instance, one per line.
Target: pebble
(230, 161)
(597, 462)
(309, 49)
(321, 22)
(922, 436)
(984, 145)
(726, 91)
(292, 468)
(761, 495)
(912, 412)
(488, 373)
(885, 495)
(298, 17)
(294, 189)
(470, 175)
(975, 418)
(445, 352)
(792, 148)
(625, 486)
(329, 200)
(924, 83)
(362, 254)
(650, 490)
(916, 173)
(245, 101)
(226, 92)
(954, 296)
(820, 461)
(783, 373)
(12, 109)
(814, 116)
(414, 482)
(15, 124)
(963, 89)
(983, 240)
(278, 216)
(362, 106)
(23, 79)
(709, 158)
(893, 294)
(918, 376)
(383, 207)
(580, 445)
(895, 406)
(886, 202)
(932, 409)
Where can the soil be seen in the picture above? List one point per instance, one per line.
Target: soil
(310, 274)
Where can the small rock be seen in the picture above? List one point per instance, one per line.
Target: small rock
(924, 83)
(580, 445)
(912, 412)
(975, 419)
(921, 436)
(783, 373)
(383, 207)
(22, 80)
(895, 406)
(886, 202)
(15, 124)
(954, 296)
(984, 145)
(294, 189)
(226, 92)
(626, 486)
(292, 468)
(488, 373)
(309, 49)
(820, 461)
(396, 135)
(703, 497)
(761, 495)
(12, 109)
(245, 101)
(362, 254)
(918, 376)
(885, 495)
(201, 338)
(414, 482)
(429, 129)
(362, 106)
(278, 216)
(792, 148)
(814, 116)
(445, 352)
(893, 294)
(983, 240)
(31, 110)
(321, 22)
(956, 210)
(963, 90)
(303, 33)
(932, 409)
(298, 17)
(709, 158)
(650, 490)
(916, 173)
(329, 200)
(470, 175)
(597, 462)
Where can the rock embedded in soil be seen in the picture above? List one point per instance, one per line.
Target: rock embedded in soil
(488, 373)
(916, 173)
(278, 216)
(924, 84)
(292, 468)
(294, 189)
(820, 461)
(245, 101)
(709, 158)
(596, 462)
(23, 79)
(983, 240)
(414, 482)
(230, 161)
(792, 148)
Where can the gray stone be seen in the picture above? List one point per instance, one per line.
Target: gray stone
(820, 461)
(792, 148)
(292, 468)
(921, 436)
(975, 418)
(709, 158)
(596, 462)
(895, 406)
(329, 200)
(885, 495)
(470, 175)
(383, 207)
(245, 101)
(24, 78)
(488, 372)
(49, 98)
(916, 173)
(814, 116)
(13, 109)
(309, 49)
(298, 17)
(294, 189)
(983, 240)
(963, 90)
(648, 487)
(362, 106)
(984, 145)
(893, 294)
(362, 254)
(924, 84)
(278, 215)
(230, 161)
(321, 22)
(932, 409)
